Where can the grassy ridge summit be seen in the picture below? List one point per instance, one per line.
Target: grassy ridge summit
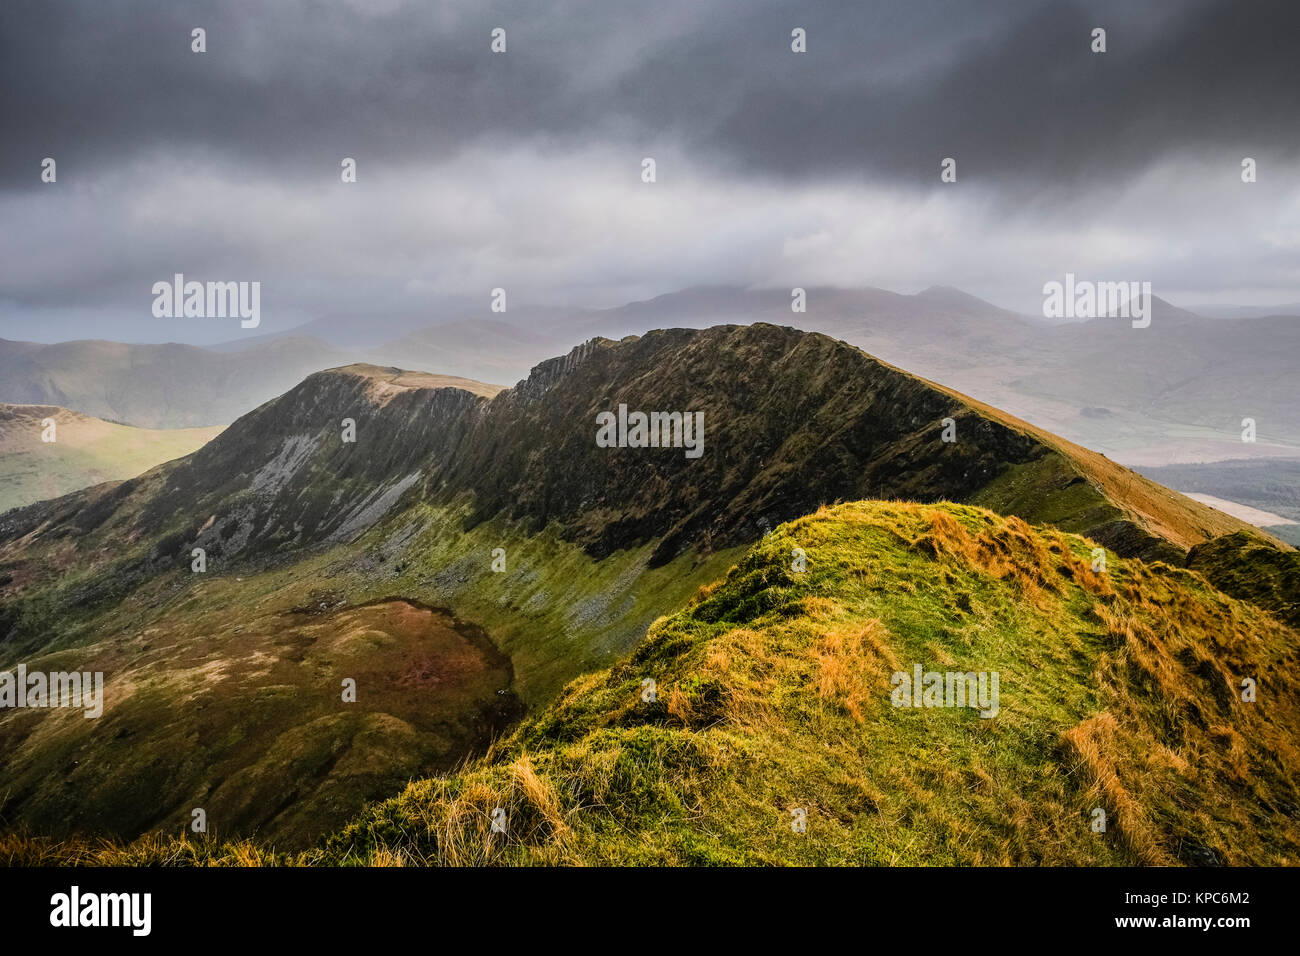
(86, 451)
(1118, 691)
(443, 476)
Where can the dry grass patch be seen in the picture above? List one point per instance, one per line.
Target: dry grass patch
(852, 663)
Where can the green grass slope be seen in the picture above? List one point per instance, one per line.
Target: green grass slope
(220, 688)
(86, 451)
(1119, 691)
(1247, 568)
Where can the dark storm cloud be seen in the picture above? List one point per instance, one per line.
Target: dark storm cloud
(1032, 104)
(95, 83)
(477, 171)
(886, 90)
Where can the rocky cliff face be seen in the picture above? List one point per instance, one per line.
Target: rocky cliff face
(317, 466)
(791, 420)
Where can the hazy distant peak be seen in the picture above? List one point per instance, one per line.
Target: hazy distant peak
(952, 297)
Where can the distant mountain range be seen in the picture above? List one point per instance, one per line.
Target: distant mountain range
(1176, 391)
(157, 386)
(1230, 312)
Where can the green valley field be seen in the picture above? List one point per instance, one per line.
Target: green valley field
(86, 451)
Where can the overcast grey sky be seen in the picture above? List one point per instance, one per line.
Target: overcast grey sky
(522, 169)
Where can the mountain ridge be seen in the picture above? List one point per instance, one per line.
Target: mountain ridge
(450, 439)
(1183, 384)
(338, 510)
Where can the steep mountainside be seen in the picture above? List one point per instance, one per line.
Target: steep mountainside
(1175, 391)
(791, 420)
(763, 723)
(365, 495)
(1179, 387)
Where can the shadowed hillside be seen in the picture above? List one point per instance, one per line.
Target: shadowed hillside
(1119, 694)
(371, 487)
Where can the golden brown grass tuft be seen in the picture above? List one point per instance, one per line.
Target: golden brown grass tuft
(852, 661)
(1010, 551)
(1094, 744)
(383, 857)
